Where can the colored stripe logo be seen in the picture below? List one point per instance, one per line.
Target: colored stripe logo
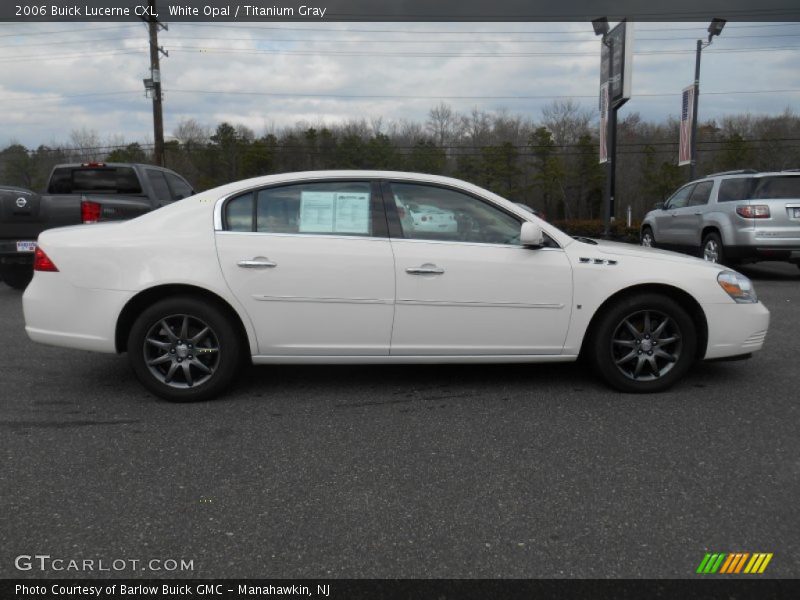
(734, 563)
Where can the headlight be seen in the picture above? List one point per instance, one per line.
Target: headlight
(737, 286)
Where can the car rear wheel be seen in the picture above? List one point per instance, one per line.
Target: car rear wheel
(184, 349)
(648, 240)
(17, 277)
(644, 343)
(712, 248)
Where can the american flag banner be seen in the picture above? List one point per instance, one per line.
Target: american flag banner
(604, 123)
(687, 114)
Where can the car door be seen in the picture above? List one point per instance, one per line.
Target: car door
(312, 265)
(667, 232)
(688, 221)
(464, 284)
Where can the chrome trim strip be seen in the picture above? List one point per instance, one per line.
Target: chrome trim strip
(326, 236)
(469, 304)
(266, 298)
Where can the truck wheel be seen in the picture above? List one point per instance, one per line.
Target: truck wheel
(712, 249)
(643, 343)
(648, 240)
(17, 277)
(184, 349)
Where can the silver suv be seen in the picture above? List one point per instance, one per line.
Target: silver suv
(731, 217)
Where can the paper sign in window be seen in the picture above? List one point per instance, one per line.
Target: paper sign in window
(334, 212)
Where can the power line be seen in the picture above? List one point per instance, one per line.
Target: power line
(381, 96)
(451, 97)
(64, 31)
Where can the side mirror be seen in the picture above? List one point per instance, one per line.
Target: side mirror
(531, 235)
(658, 206)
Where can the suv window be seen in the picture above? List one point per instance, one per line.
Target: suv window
(332, 208)
(180, 189)
(680, 198)
(783, 187)
(159, 183)
(701, 193)
(433, 213)
(786, 187)
(108, 180)
(734, 189)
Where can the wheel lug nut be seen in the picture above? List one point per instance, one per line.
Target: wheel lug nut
(639, 352)
(180, 360)
(650, 352)
(190, 357)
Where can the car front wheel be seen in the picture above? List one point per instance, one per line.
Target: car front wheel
(644, 343)
(184, 349)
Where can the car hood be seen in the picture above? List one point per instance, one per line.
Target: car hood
(620, 249)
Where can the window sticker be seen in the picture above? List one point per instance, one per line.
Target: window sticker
(334, 212)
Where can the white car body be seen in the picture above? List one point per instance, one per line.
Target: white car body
(349, 299)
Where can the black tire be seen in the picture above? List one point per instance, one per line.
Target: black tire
(712, 249)
(647, 233)
(639, 363)
(213, 357)
(17, 277)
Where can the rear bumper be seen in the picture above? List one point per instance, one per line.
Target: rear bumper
(82, 318)
(735, 329)
(765, 252)
(10, 256)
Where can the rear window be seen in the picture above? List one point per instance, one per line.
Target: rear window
(108, 180)
(760, 188)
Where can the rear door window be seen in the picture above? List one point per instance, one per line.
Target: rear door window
(701, 193)
(180, 189)
(314, 208)
(159, 184)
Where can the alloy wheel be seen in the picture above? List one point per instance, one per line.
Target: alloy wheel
(646, 345)
(181, 351)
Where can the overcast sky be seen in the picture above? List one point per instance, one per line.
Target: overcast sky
(60, 77)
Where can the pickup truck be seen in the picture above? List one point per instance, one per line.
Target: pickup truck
(78, 193)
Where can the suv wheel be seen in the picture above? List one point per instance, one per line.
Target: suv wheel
(712, 248)
(17, 277)
(184, 349)
(644, 343)
(648, 240)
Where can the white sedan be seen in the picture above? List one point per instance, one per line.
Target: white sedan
(318, 267)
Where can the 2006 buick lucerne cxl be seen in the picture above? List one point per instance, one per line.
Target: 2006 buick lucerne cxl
(376, 267)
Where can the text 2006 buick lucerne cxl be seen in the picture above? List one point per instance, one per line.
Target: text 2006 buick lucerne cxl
(376, 267)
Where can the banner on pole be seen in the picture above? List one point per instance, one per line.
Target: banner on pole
(687, 115)
(604, 101)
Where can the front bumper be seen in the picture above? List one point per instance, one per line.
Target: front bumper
(735, 329)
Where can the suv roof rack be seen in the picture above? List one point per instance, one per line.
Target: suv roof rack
(736, 172)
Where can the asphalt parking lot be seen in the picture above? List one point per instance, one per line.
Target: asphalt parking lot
(403, 471)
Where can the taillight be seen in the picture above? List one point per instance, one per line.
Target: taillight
(754, 211)
(42, 262)
(90, 211)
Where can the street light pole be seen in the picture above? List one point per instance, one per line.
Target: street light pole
(693, 164)
(714, 28)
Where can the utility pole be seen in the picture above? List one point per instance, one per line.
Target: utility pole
(154, 83)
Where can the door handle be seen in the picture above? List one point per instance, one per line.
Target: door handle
(698, 214)
(426, 269)
(257, 263)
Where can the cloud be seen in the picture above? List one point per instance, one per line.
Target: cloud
(89, 75)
